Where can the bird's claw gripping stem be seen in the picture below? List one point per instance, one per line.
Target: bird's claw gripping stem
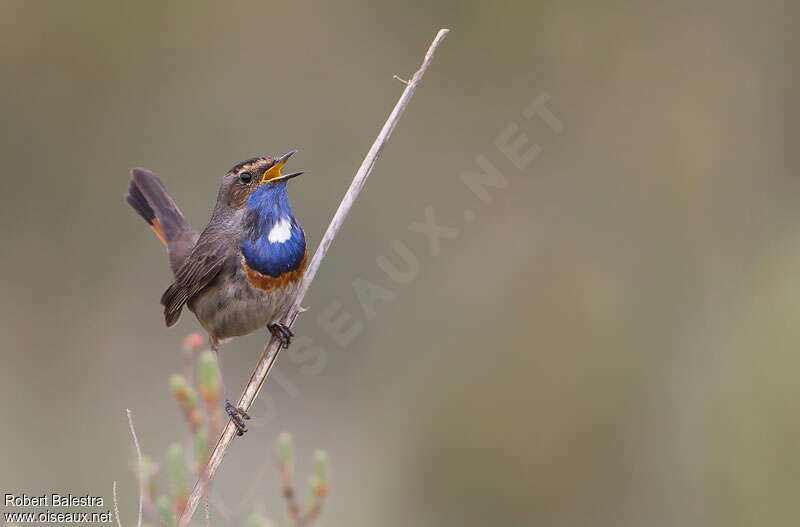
(238, 415)
(282, 332)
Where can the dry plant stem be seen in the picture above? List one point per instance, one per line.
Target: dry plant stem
(139, 465)
(273, 347)
(116, 505)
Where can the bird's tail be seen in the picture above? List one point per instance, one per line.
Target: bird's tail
(148, 197)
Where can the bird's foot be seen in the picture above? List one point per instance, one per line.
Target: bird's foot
(238, 416)
(282, 332)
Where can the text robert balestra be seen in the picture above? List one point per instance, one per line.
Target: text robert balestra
(52, 500)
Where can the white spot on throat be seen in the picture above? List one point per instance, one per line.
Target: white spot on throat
(281, 231)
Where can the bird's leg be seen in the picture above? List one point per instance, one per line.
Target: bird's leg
(237, 414)
(282, 332)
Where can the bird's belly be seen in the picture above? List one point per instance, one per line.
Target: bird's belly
(232, 307)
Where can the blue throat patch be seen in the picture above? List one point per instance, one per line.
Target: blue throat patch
(267, 207)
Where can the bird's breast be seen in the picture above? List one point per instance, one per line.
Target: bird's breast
(231, 306)
(267, 282)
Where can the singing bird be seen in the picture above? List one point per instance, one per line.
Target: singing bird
(241, 273)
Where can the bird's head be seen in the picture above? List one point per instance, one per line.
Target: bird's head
(257, 179)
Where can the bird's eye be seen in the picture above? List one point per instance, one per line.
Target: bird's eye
(245, 177)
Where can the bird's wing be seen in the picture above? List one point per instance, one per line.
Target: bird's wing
(200, 268)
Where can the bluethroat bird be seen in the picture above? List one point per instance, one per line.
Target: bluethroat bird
(241, 273)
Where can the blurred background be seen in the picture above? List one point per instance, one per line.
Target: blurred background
(608, 338)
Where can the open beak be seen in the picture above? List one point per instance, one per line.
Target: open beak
(273, 175)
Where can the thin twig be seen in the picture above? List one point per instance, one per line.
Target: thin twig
(116, 505)
(272, 349)
(139, 464)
